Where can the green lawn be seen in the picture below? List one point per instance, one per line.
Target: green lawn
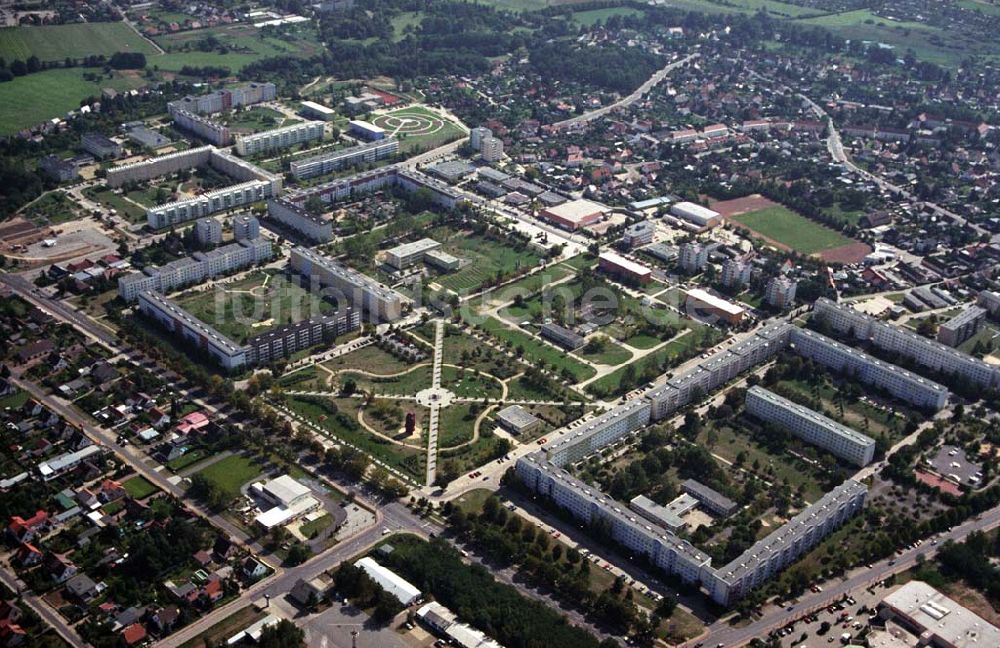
(139, 487)
(276, 302)
(126, 208)
(486, 258)
(77, 40)
(33, 98)
(407, 384)
(669, 353)
(466, 384)
(788, 228)
(612, 354)
(535, 351)
(313, 528)
(15, 400)
(431, 131)
(231, 473)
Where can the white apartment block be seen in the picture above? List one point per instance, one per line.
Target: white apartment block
(961, 327)
(238, 195)
(735, 273)
(812, 427)
(227, 99)
(927, 353)
(902, 384)
(492, 149)
(607, 428)
(354, 155)
(693, 256)
(279, 138)
(227, 353)
(781, 292)
(158, 166)
(204, 127)
(783, 546)
(315, 227)
(990, 301)
(208, 231)
(195, 269)
(245, 227)
(379, 301)
(477, 135)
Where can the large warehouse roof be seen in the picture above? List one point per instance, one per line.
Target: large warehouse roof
(576, 211)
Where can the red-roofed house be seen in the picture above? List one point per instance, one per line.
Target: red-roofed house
(212, 591)
(26, 530)
(27, 555)
(133, 634)
(192, 422)
(60, 567)
(11, 634)
(111, 491)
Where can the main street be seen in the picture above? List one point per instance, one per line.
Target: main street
(639, 92)
(721, 633)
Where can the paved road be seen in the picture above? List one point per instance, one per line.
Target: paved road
(629, 100)
(836, 148)
(42, 609)
(720, 633)
(392, 517)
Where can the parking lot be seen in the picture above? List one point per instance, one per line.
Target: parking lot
(951, 462)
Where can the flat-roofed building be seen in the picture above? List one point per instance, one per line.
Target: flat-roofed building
(990, 301)
(735, 273)
(628, 418)
(315, 227)
(767, 557)
(286, 340)
(288, 499)
(317, 111)
(617, 265)
(377, 300)
(637, 234)
(701, 217)
(208, 231)
(936, 619)
(202, 126)
(902, 384)
(100, 146)
(714, 501)
(279, 138)
(335, 160)
(442, 260)
(397, 586)
(692, 256)
(245, 227)
(928, 353)
(961, 327)
(365, 130)
(227, 353)
(671, 516)
(404, 255)
(575, 214)
(517, 420)
(562, 336)
(812, 427)
(780, 292)
(704, 303)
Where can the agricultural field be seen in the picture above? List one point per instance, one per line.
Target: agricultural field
(417, 128)
(53, 208)
(486, 259)
(253, 304)
(78, 40)
(594, 16)
(784, 227)
(29, 99)
(238, 45)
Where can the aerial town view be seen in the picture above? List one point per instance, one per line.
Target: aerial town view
(500, 323)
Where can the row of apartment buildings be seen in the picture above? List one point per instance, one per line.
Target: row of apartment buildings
(279, 138)
(543, 470)
(380, 302)
(938, 357)
(195, 269)
(340, 159)
(204, 127)
(812, 427)
(218, 101)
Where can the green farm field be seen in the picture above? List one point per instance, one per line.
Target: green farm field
(32, 98)
(785, 227)
(78, 40)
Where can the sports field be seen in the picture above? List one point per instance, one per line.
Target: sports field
(253, 305)
(56, 42)
(790, 230)
(418, 128)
